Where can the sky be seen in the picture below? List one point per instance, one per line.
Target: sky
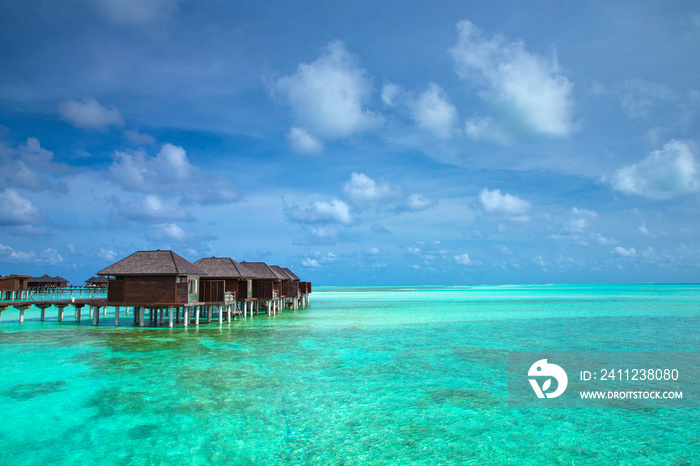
(355, 142)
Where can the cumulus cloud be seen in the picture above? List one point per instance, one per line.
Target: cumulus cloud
(373, 251)
(504, 204)
(365, 192)
(335, 211)
(106, 254)
(47, 256)
(361, 189)
(664, 174)
(168, 232)
(29, 166)
(580, 220)
(433, 112)
(430, 110)
(304, 143)
(329, 96)
(170, 173)
(622, 252)
(89, 114)
(311, 263)
(463, 259)
(528, 89)
(427, 251)
(150, 209)
(16, 210)
(391, 94)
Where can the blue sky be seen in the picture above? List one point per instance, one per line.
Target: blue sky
(357, 143)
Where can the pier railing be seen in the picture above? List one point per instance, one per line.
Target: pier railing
(54, 293)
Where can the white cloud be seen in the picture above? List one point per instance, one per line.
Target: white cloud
(325, 232)
(304, 143)
(391, 94)
(665, 174)
(419, 202)
(335, 211)
(9, 254)
(328, 96)
(311, 263)
(49, 256)
(170, 173)
(432, 112)
(107, 254)
(463, 259)
(168, 232)
(528, 88)
(373, 251)
(30, 166)
(150, 209)
(504, 204)
(580, 220)
(620, 251)
(16, 210)
(363, 190)
(89, 114)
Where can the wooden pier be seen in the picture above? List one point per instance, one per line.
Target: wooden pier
(161, 288)
(190, 314)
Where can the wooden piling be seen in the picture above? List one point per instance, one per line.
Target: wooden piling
(116, 316)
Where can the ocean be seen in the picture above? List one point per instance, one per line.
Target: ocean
(386, 375)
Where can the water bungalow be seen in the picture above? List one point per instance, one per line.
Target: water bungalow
(226, 278)
(97, 282)
(14, 286)
(166, 286)
(47, 281)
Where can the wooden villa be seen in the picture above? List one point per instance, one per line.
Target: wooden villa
(167, 286)
(14, 286)
(153, 277)
(97, 282)
(225, 279)
(266, 283)
(290, 286)
(47, 281)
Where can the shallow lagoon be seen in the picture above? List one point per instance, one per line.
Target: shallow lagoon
(400, 375)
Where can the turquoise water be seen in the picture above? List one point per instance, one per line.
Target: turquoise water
(361, 376)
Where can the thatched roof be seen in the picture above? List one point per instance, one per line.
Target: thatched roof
(46, 278)
(281, 272)
(152, 263)
(97, 280)
(223, 267)
(261, 270)
(291, 274)
(13, 276)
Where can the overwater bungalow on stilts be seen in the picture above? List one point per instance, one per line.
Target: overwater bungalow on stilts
(165, 286)
(14, 286)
